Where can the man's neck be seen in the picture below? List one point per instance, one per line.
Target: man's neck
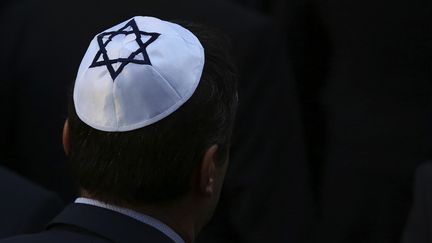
(178, 217)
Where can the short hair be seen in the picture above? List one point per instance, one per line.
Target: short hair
(154, 164)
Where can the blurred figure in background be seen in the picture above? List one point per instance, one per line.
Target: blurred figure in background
(364, 74)
(266, 195)
(417, 229)
(25, 207)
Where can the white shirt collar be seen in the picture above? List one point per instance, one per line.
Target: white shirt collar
(165, 229)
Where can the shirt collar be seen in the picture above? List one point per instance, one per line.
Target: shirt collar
(157, 224)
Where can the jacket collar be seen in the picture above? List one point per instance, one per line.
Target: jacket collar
(108, 224)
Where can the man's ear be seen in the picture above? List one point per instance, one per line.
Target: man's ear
(208, 172)
(66, 137)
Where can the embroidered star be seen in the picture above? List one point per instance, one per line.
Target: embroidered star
(105, 38)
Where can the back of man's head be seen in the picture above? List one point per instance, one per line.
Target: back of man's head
(155, 164)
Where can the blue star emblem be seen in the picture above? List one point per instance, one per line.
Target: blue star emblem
(130, 28)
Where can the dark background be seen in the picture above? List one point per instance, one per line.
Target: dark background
(335, 116)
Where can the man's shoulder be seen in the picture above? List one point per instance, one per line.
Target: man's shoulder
(86, 223)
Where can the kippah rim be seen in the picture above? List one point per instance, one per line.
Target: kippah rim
(145, 123)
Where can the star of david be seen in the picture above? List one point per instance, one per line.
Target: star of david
(132, 57)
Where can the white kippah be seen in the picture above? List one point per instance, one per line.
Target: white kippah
(137, 73)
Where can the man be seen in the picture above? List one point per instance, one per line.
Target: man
(148, 134)
(266, 195)
(25, 207)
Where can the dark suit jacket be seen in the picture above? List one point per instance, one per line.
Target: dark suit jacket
(418, 228)
(85, 223)
(24, 206)
(266, 195)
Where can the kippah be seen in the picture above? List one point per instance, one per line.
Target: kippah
(137, 73)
